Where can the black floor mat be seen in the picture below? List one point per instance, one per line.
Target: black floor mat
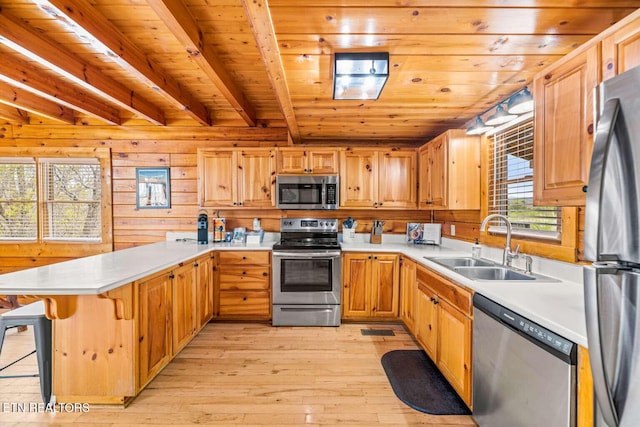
(377, 332)
(417, 382)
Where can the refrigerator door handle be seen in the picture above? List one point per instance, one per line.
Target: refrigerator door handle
(600, 383)
(604, 133)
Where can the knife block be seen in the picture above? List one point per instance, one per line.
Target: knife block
(376, 238)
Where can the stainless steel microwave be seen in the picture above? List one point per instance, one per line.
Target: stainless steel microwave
(307, 191)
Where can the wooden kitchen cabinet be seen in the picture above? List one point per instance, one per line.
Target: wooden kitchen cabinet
(204, 289)
(397, 183)
(141, 326)
(244, 285)
(564, 128)
(621, 50)
(236, 178)
(183, 304)
(154, 326)
(444, 327)
(408, 288)
(449, 172)
(370, 286)
(378, 178)
(426, 330)
(297, 161)
(454, 348)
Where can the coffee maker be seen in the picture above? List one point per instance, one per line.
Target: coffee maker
(203, 228)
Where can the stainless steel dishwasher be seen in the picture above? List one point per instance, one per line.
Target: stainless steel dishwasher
(523, 374)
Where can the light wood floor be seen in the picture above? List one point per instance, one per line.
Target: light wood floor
(247, 374)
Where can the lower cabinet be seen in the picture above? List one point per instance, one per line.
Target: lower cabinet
(408, 289)
(244, 285)
(183, 304)
(108, 347)
(444, 327)
(204, 289)
(154, 321)
(370, 286)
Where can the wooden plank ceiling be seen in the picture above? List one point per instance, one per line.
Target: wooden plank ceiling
(246, 63)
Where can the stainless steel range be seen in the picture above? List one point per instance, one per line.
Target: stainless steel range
(307, 273)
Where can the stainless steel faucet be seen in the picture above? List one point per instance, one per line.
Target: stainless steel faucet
(508, 254)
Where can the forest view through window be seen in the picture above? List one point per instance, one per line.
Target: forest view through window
(50, 199)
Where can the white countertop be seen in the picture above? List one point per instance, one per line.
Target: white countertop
(558, 306)
(97, 274)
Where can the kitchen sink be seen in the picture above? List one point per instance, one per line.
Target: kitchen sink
(462, 262)
(492, 273)
(484, 269)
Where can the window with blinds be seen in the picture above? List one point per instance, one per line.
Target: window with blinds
(510, 190)
(18, 199)
(72, 199)
(50, 199)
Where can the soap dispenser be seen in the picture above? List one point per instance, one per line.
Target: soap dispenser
(476, 250)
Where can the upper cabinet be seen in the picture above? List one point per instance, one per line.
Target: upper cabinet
(449, 175)
(236, 177)
(564, 127)
(377, 178)
(297, 161)
(564, 115)
(621, 50)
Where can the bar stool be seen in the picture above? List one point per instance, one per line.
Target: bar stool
(32, 314)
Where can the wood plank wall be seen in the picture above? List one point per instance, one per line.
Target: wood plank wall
(145, 146)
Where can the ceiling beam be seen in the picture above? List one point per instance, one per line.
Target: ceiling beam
(264, 33)
(13, 115)
(24, 100)
(25, 40)
(177, 18)
(24, 75)
(129, 56)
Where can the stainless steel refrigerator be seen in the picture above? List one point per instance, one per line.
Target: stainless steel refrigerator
(612, 242)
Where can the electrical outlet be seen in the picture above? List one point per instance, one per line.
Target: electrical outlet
(453, 229)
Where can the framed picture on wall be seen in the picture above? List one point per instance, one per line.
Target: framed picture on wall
(153, 188)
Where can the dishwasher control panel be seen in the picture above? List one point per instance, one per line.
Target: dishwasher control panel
(535, 331)
(524, 325)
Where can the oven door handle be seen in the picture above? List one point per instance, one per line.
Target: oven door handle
(306, 309)
(301, 254)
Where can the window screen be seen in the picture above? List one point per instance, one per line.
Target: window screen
(511, 185)
(18, 199)
(71, 191)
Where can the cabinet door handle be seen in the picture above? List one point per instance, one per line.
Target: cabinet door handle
(239, 203)
(235, 204)
(244, 272)
(369, 256)
(244, 298)
(375, 203)
(195, 264)
(172, 276)
(375, 257)
(381, 203)
(244, 257)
